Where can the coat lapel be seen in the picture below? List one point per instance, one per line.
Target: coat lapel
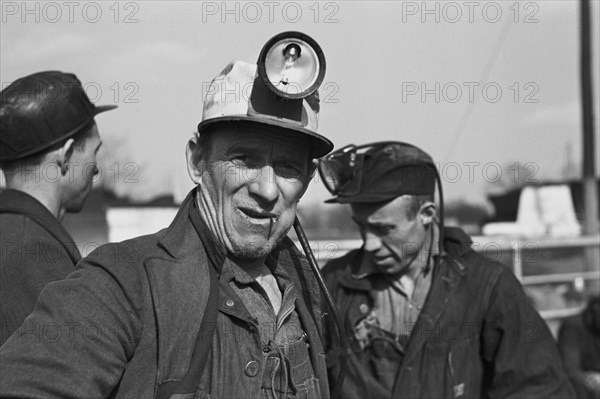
(179, 285)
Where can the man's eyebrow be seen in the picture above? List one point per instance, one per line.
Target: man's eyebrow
(371, 224)
(246, 147)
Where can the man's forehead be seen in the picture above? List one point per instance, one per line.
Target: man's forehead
(267, 138)
(383, 211)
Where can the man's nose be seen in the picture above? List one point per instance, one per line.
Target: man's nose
(264, 184)
(371, 242)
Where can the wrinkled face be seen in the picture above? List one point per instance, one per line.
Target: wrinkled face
(390, 237)
(82, 169)
(254, 180)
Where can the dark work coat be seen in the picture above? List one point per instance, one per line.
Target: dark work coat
(580, 350)
(476, 337)
(126, 321)
(35, 250)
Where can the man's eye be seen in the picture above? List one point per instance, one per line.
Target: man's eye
(241, 160)
(287, 170)
(384, 230)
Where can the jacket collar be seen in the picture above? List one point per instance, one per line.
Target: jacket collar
(180, 239)
(19, 202)
(456, 242)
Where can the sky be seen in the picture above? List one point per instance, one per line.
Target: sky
(479, 85)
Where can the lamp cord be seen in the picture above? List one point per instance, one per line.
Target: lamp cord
(315, 268)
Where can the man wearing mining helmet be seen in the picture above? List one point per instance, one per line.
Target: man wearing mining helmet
(220, 303)
(425, 315)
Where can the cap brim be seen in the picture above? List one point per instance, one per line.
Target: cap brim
(320, 145)
(362, 198)
(71, 132)
(103, 108)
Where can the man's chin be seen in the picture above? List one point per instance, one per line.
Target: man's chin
(389, 266)
(251, 250)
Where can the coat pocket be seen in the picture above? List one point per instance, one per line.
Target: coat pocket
(464, 369)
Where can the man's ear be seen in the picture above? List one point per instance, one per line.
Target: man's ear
(427, 213)
(195, 162)
(64, 156)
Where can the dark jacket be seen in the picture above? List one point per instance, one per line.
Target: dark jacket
(125, 322)
(35, 250)
(476, 337)
(579, 347)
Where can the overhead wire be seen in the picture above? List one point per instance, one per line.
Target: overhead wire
(487, 70)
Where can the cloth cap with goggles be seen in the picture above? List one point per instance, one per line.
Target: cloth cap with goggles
(377, 172)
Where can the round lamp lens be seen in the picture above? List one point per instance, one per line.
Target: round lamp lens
(292, 65)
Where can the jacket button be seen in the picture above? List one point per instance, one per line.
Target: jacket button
(364, 308)
(229, 303)
(252, 368)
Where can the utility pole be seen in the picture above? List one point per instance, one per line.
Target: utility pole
(590, 191)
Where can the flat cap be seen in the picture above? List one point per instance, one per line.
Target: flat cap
(41, 110)
(389, 170)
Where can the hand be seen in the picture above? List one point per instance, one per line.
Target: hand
(592, 381)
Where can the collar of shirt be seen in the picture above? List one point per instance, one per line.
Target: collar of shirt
(233, 272)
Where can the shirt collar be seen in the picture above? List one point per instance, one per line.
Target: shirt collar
(232, 271)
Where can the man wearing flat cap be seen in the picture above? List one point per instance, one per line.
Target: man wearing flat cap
(426, 316)
(49, 141)
(219, 304)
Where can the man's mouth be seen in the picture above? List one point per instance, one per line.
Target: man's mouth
(258, 217)
(381, 259)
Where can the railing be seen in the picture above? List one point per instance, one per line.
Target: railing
(532, 261)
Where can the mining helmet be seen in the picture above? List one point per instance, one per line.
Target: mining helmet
(280, 90)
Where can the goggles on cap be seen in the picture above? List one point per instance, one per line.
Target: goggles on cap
(341, 171)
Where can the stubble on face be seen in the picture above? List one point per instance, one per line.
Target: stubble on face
(392, 239)
(251, 185)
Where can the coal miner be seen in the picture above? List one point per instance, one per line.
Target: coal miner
(220, 303)
(425, 315)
